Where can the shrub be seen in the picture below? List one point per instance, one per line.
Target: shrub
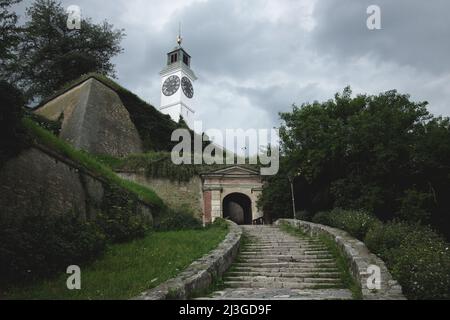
(413, 207)
(38, 246)
(49, 125)
(417, 257)
(387, 238)
(304, 215)
(42, 245)
(219, 223)
(173, 220)
(119, 218)
(357, 223)
(322, 217)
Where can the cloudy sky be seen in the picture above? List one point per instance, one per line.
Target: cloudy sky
(254, 58)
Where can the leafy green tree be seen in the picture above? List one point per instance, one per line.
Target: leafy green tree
(51, 55)
(11, 134)
(381, 153)
(9, 36)
(276, 201)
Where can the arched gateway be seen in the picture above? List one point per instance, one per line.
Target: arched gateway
(238, 208)
(232, 193)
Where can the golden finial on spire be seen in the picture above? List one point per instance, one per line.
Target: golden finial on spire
(179, 38)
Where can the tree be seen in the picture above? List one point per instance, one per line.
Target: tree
(11, 134)
(275, 200)
(51, 55)
(9, 36)
(382, 153)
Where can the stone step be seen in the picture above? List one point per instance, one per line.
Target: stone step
(285, 242)
(335, 281)
(273, 254)
(275, 247)
(280, 294)
(263, 241)
(285, 256)
(299, 269)
(284, 274)
(282, 251)
(277, 265)
(266, 262)
(296, 248)
(278, 285)
(287, 264)
(295, 245)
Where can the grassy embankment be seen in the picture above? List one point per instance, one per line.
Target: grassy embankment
(125, 269)
(128, 269)
(89, 162)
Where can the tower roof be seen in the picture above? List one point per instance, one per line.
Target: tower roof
(179, 58)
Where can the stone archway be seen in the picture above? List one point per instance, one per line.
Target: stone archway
(238, 208)
(220, 184)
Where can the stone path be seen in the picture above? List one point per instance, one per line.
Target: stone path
(277, 265)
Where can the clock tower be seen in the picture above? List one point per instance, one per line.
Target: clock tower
(177, 91)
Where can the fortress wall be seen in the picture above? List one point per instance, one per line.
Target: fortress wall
(40, 181)
(177, 195)
(94, 120)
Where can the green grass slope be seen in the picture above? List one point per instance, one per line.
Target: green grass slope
(128, 269)
(49, 140)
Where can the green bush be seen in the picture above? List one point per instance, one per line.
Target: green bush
(219, 223)
(119, 218)
(304, 215)
(357, 223)
(40, 246)
(34, 246)
(322, 217)
(417, 257)
(387, 238)
(173, 220)
(49, 125)
(413, 206)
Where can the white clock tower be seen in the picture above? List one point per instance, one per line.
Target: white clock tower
(177, 91)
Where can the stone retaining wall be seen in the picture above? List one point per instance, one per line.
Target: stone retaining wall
(41, 180)
(201, 274)
(180, 195)
(359, 258)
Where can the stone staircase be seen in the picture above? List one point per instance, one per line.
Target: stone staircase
(276, 265)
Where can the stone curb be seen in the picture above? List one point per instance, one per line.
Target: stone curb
(359, 257)
(200, 274)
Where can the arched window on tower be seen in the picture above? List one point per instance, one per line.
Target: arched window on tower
(186, 59)
(174, 58)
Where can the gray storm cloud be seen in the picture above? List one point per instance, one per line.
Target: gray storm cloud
(256, 58)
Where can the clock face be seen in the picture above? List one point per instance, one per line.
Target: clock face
(171, 85)
(186, 85)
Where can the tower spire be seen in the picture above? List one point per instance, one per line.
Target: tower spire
(179, 38)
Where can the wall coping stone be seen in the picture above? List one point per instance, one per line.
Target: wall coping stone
(200, 274)
(359, 258)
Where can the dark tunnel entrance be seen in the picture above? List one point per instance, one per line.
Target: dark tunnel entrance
(238, 208)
